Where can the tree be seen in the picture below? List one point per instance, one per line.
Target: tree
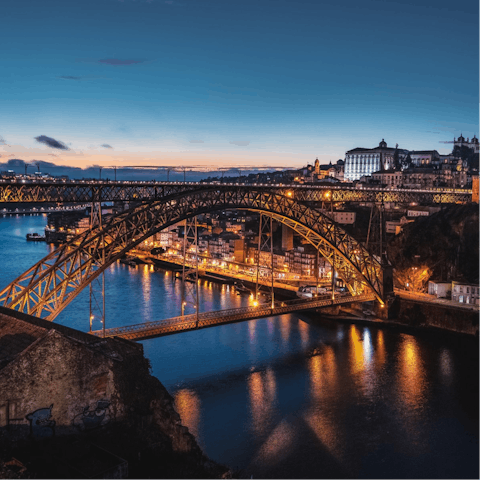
(407, 162)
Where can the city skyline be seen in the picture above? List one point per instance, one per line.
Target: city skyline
(188, 83)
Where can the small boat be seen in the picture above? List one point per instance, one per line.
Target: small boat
(35, 237)
(240, 287)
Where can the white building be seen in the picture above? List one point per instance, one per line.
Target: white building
(439, 289)
(465, 293)
(361, 162)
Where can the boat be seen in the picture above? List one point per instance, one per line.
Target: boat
(240, 287)
(35, 237)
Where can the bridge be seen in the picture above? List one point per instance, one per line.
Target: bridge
(49, 286)
(185, 323)
(105, 191)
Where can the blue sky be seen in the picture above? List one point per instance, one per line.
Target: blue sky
(221, 82)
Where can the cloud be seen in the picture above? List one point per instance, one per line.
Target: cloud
(3, 142)
(197, 141)
(51, 142)
(69, 77)
(106, 145)
(118, 61)
(241, 143)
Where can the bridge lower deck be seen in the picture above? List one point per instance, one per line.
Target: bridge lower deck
(186, 323)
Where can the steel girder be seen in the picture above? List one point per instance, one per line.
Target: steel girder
(76, 192)
(51, 284)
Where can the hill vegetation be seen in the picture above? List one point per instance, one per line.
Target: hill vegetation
(447, 243)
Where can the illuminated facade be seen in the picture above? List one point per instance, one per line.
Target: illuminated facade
(362, 162)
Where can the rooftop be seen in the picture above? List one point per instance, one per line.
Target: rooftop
(19, 331)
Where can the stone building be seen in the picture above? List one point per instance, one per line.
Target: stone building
(62, 391)
(461, 141)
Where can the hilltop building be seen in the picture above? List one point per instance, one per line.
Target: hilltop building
(473, 143)
(361, 162)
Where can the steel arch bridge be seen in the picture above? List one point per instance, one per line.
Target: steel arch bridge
(51, 284)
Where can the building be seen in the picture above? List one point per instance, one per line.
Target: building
(475, 193)
(421, 211)
(440, 289)
(424, 157)
(361, 162)
(396, 226)
(340, 216)
(393, 178)
(460, 141)
(301, 262)
(465, 293)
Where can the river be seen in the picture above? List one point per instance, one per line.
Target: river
(293, 396)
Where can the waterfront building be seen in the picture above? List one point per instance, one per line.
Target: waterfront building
(440, 289)
(361, 162)
(465, 293)
(301, 262)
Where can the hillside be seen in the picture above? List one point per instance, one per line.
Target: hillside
(447, 242)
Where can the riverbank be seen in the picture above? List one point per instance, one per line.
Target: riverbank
(413, 316)
(402, 311)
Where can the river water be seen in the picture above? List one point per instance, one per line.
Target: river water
(293, 396)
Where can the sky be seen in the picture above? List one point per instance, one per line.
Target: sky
(229, 83)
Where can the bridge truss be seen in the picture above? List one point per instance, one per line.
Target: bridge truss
(50, 285)
(84, 192)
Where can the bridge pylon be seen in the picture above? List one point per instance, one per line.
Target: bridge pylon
(265, 244)
(97, 286)
(190, 267)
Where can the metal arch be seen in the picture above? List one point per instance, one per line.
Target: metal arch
(50, 285)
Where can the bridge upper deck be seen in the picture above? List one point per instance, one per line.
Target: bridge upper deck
(85, 191)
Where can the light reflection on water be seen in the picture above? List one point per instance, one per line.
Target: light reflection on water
(283, 398)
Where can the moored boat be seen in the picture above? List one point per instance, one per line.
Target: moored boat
(35, 237)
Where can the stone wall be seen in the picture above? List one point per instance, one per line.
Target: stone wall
(421, 314)
(68, 387)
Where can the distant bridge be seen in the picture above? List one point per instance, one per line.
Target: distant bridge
(104, 191)
(190, 322)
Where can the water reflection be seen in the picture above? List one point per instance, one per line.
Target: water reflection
(322, 371)
(411, 373)
(304, 329)
(380, 356)
(187, 404)
(446, 366)
(357, 363)
(262, 393)
(285, 326)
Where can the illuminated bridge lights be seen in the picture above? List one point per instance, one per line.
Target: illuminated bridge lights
(50, 285)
